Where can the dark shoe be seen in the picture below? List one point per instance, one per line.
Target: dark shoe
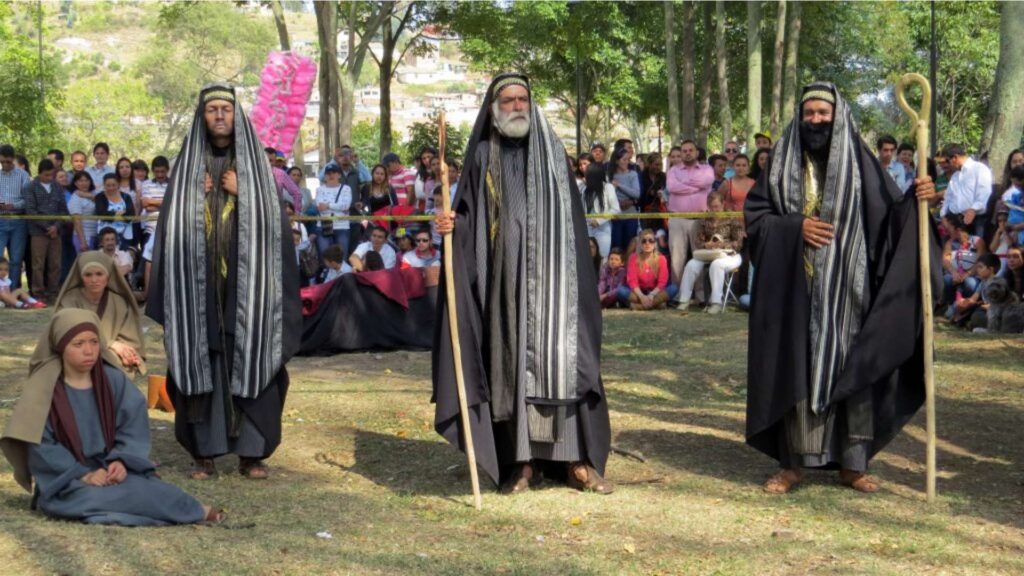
(584, 478)
(520, 481)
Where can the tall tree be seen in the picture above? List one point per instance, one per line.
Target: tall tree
(329, 78)
(753, 70)
(402, 17)
(707, 76)
(689, 37)
(724, 113)
(671, 69)
(1005, 124)
(791, 81)
(778, 57)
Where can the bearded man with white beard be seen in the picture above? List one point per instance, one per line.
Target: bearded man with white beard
(529, 317)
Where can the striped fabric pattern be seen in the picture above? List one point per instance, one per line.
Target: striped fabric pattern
(257, 354)
(838, 279)
(552, 291)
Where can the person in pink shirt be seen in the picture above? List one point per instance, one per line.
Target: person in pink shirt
(688, 184)
(647, 286)
(286, 187)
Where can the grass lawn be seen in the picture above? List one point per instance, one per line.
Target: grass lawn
(360, 460)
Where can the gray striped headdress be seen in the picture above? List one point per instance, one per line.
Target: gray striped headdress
(838, 281)
(256, 357)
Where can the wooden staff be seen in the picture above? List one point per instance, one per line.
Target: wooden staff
(453, 321)
(920, 122)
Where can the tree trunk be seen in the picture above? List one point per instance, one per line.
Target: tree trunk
(724, 113)
(1006, 111)
(387, 58)
(706, 77)
(778, 56)
(791, 79)
(689, 36)
(327, 31)
(671, 70)
(753, 71)
(347, 84)
(286, 46)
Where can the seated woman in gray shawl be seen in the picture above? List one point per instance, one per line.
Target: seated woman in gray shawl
(81, 433)
(94, 284)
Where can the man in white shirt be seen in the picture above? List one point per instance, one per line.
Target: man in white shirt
(969, 188)
(153, 194)
(378, 243)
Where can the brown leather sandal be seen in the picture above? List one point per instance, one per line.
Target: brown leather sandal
(783, 482)
(253, 469)
(203, 469)
(520, 481)
(593, 482)
(859, 481)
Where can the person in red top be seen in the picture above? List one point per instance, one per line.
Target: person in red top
(647, 286)
(402, 180)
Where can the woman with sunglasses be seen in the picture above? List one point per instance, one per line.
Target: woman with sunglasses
(647, 286)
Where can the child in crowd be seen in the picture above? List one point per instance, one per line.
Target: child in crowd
(971, 310)
(613, 276)
(1013, 198)
(334, 263)
(14, 298)
(1002, 238)
(435, 238)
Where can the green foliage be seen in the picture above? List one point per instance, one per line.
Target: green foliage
(422, 134)
(366, 141)
(196, 43)
(118, 111)
(26, 120)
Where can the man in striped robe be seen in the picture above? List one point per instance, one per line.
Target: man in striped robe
(529, 320)
(225, 290)
(835, 365)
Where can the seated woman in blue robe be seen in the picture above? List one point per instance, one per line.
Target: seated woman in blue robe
(80, 431)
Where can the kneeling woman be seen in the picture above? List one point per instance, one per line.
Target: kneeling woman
(94, 284)
(81, 432)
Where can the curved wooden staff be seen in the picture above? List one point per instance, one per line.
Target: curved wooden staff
(449, 281)
(920, 121)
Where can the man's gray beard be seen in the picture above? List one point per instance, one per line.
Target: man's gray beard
(504, 124)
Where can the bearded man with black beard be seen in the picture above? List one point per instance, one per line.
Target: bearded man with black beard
(529, 320)
(835, 365)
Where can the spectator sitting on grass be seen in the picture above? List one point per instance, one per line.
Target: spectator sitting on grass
(377, 243)
(959, 255)
(612, 277)
(970, 311)
(1014, 272)
(373, 262)
(647, 272)
(334, 263)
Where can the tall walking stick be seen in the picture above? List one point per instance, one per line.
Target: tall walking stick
(449, 282)
(920, 121)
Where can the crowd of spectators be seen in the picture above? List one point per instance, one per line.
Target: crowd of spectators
(641, 263)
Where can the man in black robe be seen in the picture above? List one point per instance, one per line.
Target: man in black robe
(835, 364)
(226, 291)
(529, 318)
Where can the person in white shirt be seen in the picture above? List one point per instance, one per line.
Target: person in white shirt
(153, 195)
(334, 199)
(424, 255)
(378, 243)
(969, 188)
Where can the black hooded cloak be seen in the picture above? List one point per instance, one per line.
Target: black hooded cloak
(480, 308)
(885, 360)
